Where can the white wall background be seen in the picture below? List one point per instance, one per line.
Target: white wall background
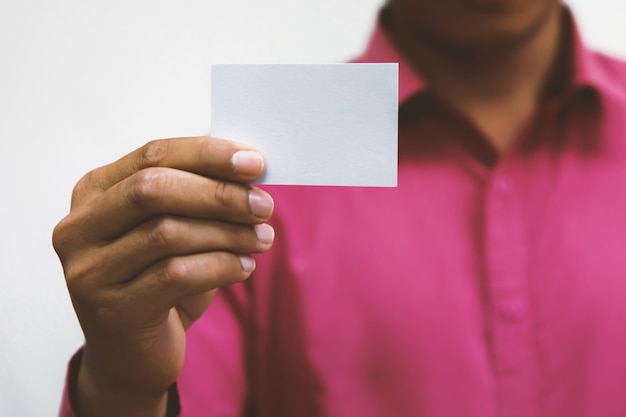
(84, 82)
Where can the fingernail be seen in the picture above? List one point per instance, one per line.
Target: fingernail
(247, 263)
(261, 204)
(247, 162)
(265, 233)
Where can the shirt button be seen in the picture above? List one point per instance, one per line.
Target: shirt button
(513, 310)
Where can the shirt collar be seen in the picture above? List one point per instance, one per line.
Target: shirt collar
(595, 70)
(380, 49)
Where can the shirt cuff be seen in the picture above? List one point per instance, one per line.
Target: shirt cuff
(68, 400)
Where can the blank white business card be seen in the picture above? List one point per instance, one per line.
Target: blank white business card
(319, 124)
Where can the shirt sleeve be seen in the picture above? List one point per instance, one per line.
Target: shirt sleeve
(68, 400)
(66, 409)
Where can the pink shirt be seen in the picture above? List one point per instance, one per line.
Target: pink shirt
(481, 286)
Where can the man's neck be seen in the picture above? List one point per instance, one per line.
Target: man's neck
(498, 87)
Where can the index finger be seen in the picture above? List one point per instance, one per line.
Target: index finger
(203, 155)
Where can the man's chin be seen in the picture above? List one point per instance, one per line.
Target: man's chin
(492, 6)
(488, 31)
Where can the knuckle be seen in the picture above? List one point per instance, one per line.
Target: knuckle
(67, 234)
(153, 153)
(173, 273)
(83, 187)
(165, 233)
(144, 187)
(224, 194)
(60, 236)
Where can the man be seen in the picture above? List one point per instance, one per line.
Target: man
(489, 283)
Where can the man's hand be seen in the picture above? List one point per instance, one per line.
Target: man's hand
(148, 240)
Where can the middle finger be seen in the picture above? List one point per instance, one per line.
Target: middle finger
(164, 191)
(164, 237)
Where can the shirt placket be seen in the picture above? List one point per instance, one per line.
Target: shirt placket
(509, 313)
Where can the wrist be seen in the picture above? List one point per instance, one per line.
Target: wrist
(97, 397)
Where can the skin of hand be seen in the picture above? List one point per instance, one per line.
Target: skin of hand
(147, 241)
